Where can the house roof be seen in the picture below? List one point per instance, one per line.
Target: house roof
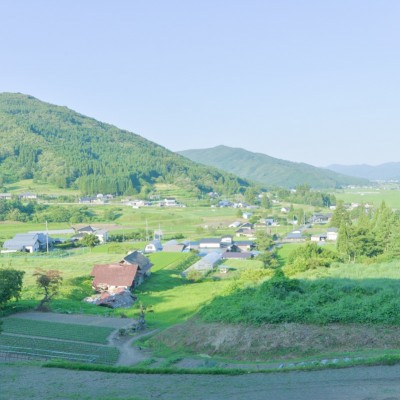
(211, 257)
(210, 240)
(170, 248)
(101, 232)
(206, 262)
(21, 240)
(114, 274)
(294, 235)
(235, 224)
(86, 229)
(244, 242)
(172, 242)
(232, 254)
(136, 258)
(156, 243)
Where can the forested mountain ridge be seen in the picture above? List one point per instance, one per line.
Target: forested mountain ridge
(382, 172)
(268, 170)
(55, 144)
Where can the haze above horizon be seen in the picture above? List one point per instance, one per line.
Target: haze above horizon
(314, 82)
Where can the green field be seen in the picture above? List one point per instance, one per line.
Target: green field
(373, 196)
(168, 297)
(47, 189)
(80, 333)
(54, 349)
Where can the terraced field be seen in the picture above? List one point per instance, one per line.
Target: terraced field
(31, 339)
(56, 330)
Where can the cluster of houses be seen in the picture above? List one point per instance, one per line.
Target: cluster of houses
(330, 234)
(41, 241)
(98, 199)
(167, 202)
(21, 196)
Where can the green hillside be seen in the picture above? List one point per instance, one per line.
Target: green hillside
(268, 170)
(57, 145)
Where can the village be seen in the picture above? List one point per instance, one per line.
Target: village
(114, 284)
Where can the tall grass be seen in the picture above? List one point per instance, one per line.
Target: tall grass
(318, 301)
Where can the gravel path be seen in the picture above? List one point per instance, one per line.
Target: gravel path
(20, 382)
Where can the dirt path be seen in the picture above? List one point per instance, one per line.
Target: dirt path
(129, 354)
(19, 382)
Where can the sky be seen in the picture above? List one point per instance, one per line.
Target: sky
(307, 81)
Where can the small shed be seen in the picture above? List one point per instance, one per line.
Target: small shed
(153, 247)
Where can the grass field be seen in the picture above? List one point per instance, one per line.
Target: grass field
(373, 196)
(169, 298)
(28, 185)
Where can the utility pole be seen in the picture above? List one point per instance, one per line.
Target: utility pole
(47, 238)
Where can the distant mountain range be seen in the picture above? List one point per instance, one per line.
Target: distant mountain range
(383, 172)
(55, 144)
(269, 171)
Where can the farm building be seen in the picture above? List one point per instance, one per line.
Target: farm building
(319, 237)
(332, 234)
(206, 264)
(28, 242)
(110, 277)
(153, 247)
(210, 243)
(101, 234)
(143, 263)
(173, 246)
(127, 274)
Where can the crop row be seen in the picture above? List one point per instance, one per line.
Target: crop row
(81, 333)
(56, 349)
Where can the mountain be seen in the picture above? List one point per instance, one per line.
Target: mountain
(383, 172)
(268, 170)
(54, 144)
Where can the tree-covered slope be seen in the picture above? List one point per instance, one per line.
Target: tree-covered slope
(55, 144)
(268, 170)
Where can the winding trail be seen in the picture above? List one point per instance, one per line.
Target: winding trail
(129, 354)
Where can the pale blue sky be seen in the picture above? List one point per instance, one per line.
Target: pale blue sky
(311, 81)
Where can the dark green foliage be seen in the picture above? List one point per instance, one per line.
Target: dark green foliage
(340, 215)
(57, 145)
(15, 210)
(145, 370)
(368, 234)
(268, 170)
(269, 259)
(310, 256)
(263, 240)
(90, 240)
(135, 235)
(10, 285)
(281, 300)
(304, 195)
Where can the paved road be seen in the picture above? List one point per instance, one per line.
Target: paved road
(32, 382)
